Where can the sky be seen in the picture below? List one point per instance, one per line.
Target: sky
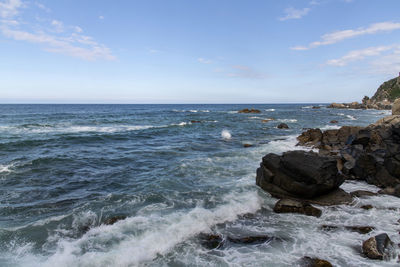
(208, 51)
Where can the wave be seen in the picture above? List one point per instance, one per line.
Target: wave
(192, 110)
(271, 109)
(156, 234)
(330, 127)
(287, 120)
(81, 128)
(307, 107)
(351, 117)
(6, 168)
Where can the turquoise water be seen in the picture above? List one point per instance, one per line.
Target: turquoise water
(65, 169)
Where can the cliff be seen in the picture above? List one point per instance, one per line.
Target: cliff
(389, 90)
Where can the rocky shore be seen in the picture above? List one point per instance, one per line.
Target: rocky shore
(301, 179)
(383, 99)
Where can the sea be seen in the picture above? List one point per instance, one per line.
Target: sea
(170, 173)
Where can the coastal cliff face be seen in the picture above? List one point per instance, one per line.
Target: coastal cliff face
(383, 98)
(389, 90)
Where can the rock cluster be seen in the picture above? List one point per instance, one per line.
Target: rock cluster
(384, 105)
(246, 110)
(371, 153)
(378, 247)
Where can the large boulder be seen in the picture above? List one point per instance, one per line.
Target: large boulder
(378, 247)
(396, 107)
(336, 105)
(299, 174)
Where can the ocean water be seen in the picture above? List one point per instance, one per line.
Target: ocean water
(65, 169)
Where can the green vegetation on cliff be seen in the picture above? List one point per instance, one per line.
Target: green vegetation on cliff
(389, 90)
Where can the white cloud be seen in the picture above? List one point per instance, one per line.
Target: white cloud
(69, 40)
(338, 36)
(242, 71)
(101, 17)
(356, 55)
(58, 25)
(387, 64)
(204, 61)
(43, 7)
(293, 13)
(9, 8)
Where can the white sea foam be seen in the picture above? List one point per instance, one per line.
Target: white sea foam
(330, 127)
(287, 120)
(351, 117)
(271, 109)
(307, 107)
(158, 235)
(7, 168)
(225, 134)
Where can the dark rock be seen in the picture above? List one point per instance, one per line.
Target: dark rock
(250, 239)
(335, 197)
(114, 219)
(314, 262)
(367, 207)
(282, 126)
(246, 110)
(310, 137)
(333, 121)
(316, 107)
(299, 174)
(378, 247)
(210, 241)
(358, 229)
(362, 193)
(294, 206)
(195, 121)
(247, 145)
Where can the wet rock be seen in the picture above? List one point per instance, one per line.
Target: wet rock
(316, 107)
(210, 241)
(333, 121)
(393, 191)
(246, 110)
(358, 229)
(335, 197)
(294, 206)
(282, 126)
(247, 145)
(195, 121)
(378, 247)
(362, 193)
(250, 239)
(298, 174)
(367, 207)
(114, 219)
(314, 262)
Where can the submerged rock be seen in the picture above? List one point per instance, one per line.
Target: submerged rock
(195, 121)
(210, 241)
(298, 174)
(247, 145)
(282, 126)
(358, 229)
(250, 239)
(314, 262)
(362, 193)
(294, 206)
(367, 207)
(114, 219)
(267, 120)
(246, 110)
(378, 247)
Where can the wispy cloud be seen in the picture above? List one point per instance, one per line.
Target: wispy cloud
(293, 13)
(338, 36)
(242, 71)
(356, 55)
(101, 17)
(54, 37)
(9, 8)
(204, 60)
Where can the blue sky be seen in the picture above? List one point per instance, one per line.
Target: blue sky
(208, 51)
